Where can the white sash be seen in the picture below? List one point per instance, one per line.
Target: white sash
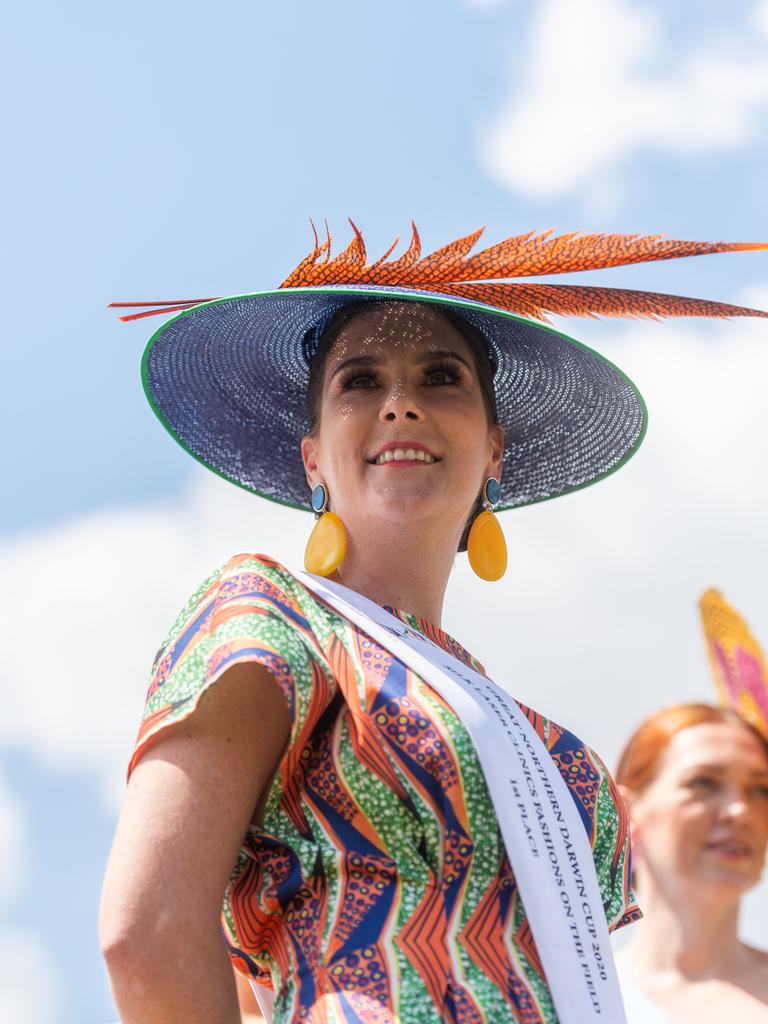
(265, 997)
(542, 830)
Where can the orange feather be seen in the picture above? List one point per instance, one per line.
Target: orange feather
(523, 255)
(536, 300)
(451, 270)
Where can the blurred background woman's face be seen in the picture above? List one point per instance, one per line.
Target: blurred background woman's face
(703, 818)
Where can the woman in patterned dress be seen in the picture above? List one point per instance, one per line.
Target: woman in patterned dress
(290, 767)
(696, 780)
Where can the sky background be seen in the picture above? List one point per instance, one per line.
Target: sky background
(179, 149)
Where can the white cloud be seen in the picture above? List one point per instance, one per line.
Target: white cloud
(595, 623)
(29, 990)
(85, 607)
(11, 842)
(589, 95)
(760, 18)
(619, 566)
(29, 982)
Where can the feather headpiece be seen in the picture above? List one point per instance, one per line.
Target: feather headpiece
(738, 663)
(452, 270)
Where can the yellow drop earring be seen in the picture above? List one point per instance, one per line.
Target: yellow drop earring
(486, 547)
(327, 543)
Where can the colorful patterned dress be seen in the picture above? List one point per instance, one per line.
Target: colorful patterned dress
(378, 889)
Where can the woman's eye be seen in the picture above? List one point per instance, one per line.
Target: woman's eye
(702, 783)
(357, 380)
(761, 792)
(442, 375)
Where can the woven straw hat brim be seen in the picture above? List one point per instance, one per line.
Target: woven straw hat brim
(228, 380)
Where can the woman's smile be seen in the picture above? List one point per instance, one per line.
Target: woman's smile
(730, 849)
(401, 453)
(404, 434)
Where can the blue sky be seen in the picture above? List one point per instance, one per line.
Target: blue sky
(176, 152)
(180, 149)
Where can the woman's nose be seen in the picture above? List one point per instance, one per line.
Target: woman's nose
(735, 806)
(400, 404)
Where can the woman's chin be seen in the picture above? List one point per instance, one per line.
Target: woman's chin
(419, 498)
(728, 878)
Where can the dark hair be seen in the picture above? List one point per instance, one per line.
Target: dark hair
(317, 349)
(317, 353)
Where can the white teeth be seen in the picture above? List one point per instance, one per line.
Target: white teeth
(404, 455)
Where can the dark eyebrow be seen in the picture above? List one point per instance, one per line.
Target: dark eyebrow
(367, 362)
(363, 362)
(442, 353)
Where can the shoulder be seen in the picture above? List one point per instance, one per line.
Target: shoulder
(576, 760)
(589, 782)
(264, 578)
(251, 601)
(602, 812)
(248, 574)
(250, 610)
(246, 583)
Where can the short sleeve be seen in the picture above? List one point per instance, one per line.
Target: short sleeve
(247, 611)
(612, 850)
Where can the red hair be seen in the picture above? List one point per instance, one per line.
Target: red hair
(640, 757)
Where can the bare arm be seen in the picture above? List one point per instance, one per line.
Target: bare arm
(188, 805)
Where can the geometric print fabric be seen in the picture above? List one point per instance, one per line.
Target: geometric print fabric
(377, 888)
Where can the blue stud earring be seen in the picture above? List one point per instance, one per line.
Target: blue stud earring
(492, 492)
(319, 499)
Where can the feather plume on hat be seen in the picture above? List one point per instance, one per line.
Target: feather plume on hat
(451, 270)
(738, 663)
(227, 377)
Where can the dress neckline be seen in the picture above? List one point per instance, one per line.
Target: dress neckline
(438, 636)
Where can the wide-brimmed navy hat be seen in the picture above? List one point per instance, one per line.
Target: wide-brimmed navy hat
(228, 377)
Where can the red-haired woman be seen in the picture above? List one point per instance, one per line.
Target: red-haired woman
(696, 781)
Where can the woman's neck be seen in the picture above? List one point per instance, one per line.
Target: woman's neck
(404, 569)
(691, 937)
